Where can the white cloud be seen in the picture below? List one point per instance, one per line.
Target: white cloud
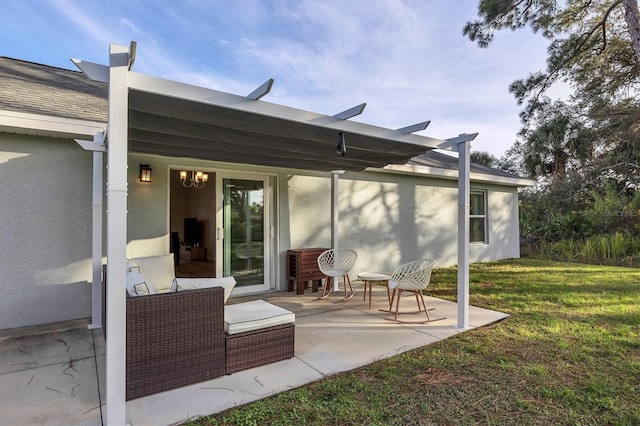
(87, 24)
(407, 63)
(127, 23)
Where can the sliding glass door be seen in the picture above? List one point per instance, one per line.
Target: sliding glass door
(243, 231)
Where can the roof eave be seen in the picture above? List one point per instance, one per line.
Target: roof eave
(46, 125)
(448, 174)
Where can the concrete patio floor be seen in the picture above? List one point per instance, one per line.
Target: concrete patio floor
(54, 374)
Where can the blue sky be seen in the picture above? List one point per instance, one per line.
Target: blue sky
(406, 59)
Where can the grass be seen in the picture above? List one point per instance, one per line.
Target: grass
(569, 354)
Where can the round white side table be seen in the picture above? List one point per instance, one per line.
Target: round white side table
(368, 278)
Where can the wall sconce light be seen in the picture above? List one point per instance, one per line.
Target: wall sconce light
(198, 179)
(145, 173)
(341, 149)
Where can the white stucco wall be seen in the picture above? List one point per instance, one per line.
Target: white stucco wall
(45, 226)
(45, 231)
(391, 219)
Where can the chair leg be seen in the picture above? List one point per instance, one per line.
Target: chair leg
(391, 296)
(415, 293)
(328, 288)
(395, 318)
(426, 311)
(418, 301)
(347, 281)
(422, 307)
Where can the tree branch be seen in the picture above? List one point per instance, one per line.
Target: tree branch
(622, 163)
(550, 78)
(632, 17)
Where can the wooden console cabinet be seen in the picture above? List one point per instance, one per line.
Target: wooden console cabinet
(198, 253)
(194, 253)
(302, 267)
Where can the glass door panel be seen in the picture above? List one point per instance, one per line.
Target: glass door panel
(244, 227)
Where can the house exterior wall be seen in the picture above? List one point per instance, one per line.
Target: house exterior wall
(45, 232)
(392, 219)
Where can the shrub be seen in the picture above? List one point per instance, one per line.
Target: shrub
(607, 249)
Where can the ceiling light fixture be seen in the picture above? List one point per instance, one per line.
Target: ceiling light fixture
(198, 179)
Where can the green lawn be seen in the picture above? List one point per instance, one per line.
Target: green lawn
(569, 354)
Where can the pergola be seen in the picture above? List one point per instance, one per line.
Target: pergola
(156, 116)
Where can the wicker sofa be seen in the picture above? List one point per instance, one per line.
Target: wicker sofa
(186, 334)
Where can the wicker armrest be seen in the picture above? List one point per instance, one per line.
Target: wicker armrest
(174, 340)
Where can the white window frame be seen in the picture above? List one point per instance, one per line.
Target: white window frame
(484, 216)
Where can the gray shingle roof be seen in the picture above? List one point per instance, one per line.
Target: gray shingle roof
(40, 89)
(443, 161)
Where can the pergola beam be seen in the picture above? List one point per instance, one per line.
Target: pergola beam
(262, 90)
(96, 145)
(95, 72)
(415, 127)
(452, 144)
(351, 112)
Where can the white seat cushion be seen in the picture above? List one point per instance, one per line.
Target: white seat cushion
(159, 269)
(255, 315)
(228, 283)
(336, 272)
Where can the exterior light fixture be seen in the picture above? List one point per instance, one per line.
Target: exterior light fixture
(341, 149)
(198, 179)
(145, 173)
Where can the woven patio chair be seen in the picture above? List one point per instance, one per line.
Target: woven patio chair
(413, 277)
(335, 264)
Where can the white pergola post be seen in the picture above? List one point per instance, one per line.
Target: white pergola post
(335, 174)
(464, 151)
(96, 241)
(96, 244)
(462, 145)
(97, 146)
(117, 234)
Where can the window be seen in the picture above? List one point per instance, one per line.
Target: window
(478, 217)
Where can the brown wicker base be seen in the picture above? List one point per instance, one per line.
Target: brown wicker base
(259, 347)
(174, 340)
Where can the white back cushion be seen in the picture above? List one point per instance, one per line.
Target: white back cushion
(159, 269)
